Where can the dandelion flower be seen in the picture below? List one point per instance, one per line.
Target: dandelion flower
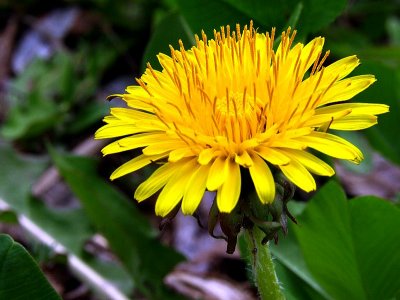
(233, 103)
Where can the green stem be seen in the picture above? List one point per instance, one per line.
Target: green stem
(263, 266)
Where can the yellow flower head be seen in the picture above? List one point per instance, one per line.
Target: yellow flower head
(233, 103)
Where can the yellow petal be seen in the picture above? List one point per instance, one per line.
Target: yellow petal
(347, 116)
(228, 194)
(356, 122)
(333, 145)
(263, 180)
(120, 128)
(178, 154)
(299, 175)
(206, 156)
(287, 143)
(116, 130)
(217, 174)
(195, 190)
(157, 180)
(132, 114)
(135, 164)
(172, 193)
(132, 142)
(164, 146)
(356, 108)
(275, 157)
(311, 162)
(244, 159)
(310, 52)
(342, 67)
(319, 119)
(347, 88)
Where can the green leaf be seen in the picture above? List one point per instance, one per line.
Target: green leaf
(293, 287)
(168, 31)
(292, 268)
(15, 186)
(20, 276)
(30, 119)
(384, 63)
(350, 247)
(318, 14)
(208, 15)
(360, 141)
(21, 172)
(393, 28)
(377, 242)
(55, 221)
(8, 216)
(386, 90)
(87, 116)
(312, 15)
(128, 232)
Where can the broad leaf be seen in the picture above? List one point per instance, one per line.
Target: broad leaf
(15, 184)
(128, 232)
(211, 14)
(17, 175)
(376, 238)
(20, 276)
(294, 269)
(384, 63)
(386, 90)
(291, 267)
(350, 247)
(168, 31)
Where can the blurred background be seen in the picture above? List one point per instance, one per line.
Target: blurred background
(59, 60)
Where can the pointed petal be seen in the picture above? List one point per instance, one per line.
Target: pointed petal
(163, 147)
(135, 164)
(228, 194)
(310, 52)
(133, 142)
(178, 154)
(157, 180)
(311, 162)
(217, 174)
(195, 190)
(333, 145)
(132, 114)
(356, 108)
(342, 67)
(273, 156)
(299, 175)
(172, 193)
(320, 119)
(347, 88)
(244, 159)
(206, 156)
(263, 180)
(356, 122)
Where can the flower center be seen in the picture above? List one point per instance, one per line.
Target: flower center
(237, 115)
(234, 105)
